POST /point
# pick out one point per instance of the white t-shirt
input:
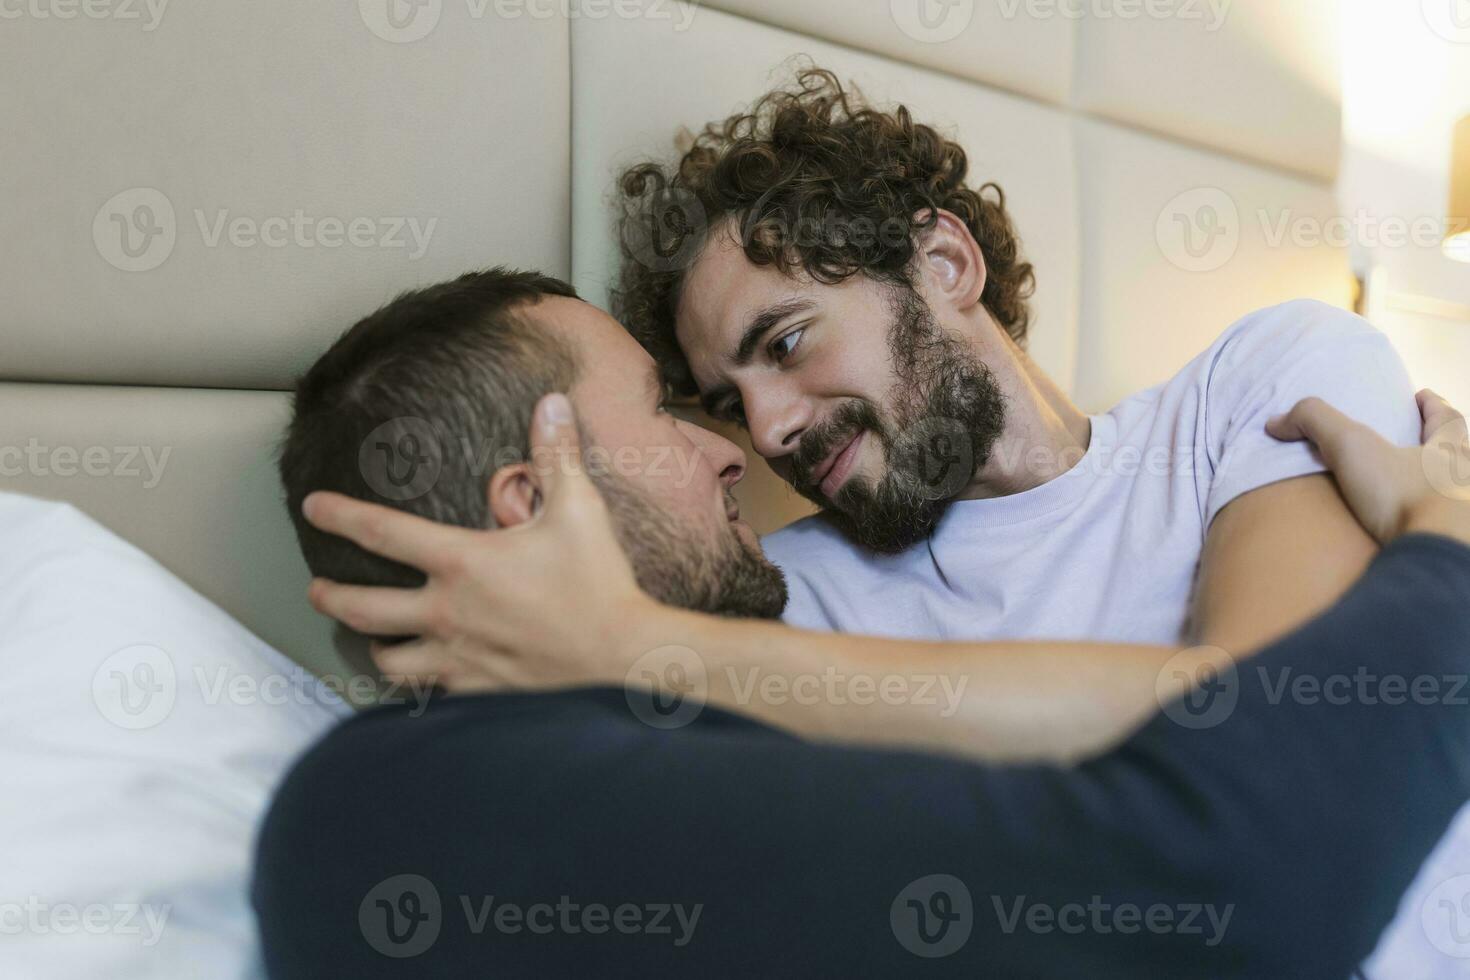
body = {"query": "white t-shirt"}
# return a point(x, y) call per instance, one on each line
point(1108, 551)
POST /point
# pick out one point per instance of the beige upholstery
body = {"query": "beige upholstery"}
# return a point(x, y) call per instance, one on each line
point(188, 476)
point(980, 41)
point(503, 123)
point(249, 113)
point(1151, 299)
point(1251, 78)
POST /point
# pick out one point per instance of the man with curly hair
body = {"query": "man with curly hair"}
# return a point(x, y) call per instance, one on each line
point(824, 274)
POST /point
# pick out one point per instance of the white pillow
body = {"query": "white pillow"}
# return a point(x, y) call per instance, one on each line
point(142, 731)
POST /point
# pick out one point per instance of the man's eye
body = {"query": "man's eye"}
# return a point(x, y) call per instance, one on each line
point(783, 347)
point(733, 411)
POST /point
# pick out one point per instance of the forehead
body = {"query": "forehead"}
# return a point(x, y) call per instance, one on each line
point(721, 293)
point(608, 356)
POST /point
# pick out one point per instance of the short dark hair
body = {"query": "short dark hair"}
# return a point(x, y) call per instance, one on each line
point(807, 156)
point(455, 367)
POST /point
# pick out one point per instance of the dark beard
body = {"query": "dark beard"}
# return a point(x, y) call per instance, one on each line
point(726, 578)
point(947, 416)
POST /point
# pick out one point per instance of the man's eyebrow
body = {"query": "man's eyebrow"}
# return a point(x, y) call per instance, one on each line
point(762, 322)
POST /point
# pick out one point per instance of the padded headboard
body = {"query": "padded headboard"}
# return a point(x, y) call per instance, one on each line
point(239, 183)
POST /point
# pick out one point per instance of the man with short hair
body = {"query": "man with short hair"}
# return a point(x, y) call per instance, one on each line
point(426, 405)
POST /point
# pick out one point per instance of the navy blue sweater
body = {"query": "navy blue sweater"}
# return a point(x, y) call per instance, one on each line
point(557, 835)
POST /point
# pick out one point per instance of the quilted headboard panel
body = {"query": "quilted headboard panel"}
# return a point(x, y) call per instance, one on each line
point(246, 181)
point(1257, 79)
point(1251, 78)
point(185, 474)
point(988, 42)
point(1178, 244)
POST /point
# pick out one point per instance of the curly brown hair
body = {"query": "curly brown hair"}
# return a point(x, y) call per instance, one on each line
point(816, 180)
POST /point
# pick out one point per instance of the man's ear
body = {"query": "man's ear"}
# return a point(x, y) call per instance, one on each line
point(513, 494)
point(951, 262)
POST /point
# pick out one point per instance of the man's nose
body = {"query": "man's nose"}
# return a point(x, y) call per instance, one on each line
point(776, 427)
point(729, 462)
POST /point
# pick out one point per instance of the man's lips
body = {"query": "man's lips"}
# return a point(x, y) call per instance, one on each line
point(833, 472)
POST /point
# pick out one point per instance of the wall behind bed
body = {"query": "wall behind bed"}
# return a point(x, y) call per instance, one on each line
point(198, 198)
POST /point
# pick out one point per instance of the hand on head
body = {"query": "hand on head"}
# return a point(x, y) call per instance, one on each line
point(1392, 490)
point(533, 605)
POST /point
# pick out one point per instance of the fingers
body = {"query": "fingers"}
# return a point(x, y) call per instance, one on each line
point(384, 531)
point(1443, 423)
point(424, 663)
point(428, 663)
point(556, 448)
point(370, 610)
point(1333, 433)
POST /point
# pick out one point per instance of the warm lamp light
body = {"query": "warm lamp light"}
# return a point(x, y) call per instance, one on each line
point(1457, 244)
